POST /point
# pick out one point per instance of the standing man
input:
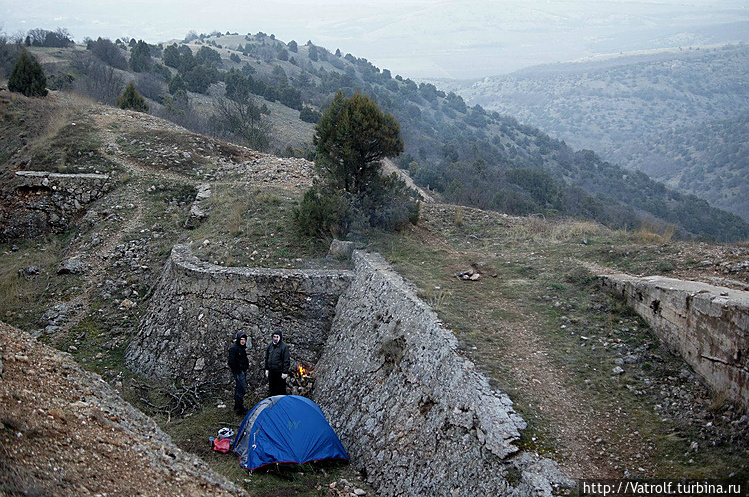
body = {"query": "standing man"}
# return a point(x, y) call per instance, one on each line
point(238, 363)
point(277, 363)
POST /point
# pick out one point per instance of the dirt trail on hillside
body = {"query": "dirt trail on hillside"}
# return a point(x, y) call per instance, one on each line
point(128, 196)
point(574, 427)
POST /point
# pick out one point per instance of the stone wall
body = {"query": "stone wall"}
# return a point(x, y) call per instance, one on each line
point(198, 308)
point(40, 201)
point(409, 409)
point(707, 325)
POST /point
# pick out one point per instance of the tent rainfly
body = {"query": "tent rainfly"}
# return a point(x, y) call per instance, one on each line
point(285, 429)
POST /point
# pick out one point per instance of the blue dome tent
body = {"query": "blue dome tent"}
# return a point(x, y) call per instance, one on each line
point(285, 429)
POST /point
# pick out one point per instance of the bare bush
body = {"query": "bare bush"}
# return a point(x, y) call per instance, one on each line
point(100, 81)
point(178, 110)
point(9, 53)
point(151, 86)
point(241, 120)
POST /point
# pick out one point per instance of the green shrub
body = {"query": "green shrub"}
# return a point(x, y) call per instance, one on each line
point(27, 77)
point(322, 214)
point(131, 99)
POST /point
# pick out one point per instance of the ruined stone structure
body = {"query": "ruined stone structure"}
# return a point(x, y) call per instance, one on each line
point(707, 325)
point(40, 201)
point(410, 410)
point(198, 308)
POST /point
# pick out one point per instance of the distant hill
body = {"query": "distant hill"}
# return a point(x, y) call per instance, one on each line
point(680, 116)
point(463, 154)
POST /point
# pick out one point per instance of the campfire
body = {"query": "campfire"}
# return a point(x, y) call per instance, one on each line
point(301, 381)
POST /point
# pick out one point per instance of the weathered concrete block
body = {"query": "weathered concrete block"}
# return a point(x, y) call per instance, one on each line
point(341, 249)
point(707, 325)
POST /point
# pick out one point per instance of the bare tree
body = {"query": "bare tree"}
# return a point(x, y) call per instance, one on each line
point(242, 120)
point(178, 110)
point(100, 81)
point(151, 86)
point(9, 53)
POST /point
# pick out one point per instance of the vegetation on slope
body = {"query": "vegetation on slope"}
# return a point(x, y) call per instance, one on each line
point(466, 154)
point(533, 322)
point(679, 116)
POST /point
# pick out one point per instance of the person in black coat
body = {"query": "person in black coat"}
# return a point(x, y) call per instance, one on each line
point(277, 363)
point(239, 364)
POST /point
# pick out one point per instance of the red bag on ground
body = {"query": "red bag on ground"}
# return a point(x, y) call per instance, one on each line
point(222, 444)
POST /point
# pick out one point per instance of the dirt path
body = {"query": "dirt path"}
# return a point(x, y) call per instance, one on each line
point(573, 425)
point(128, 194)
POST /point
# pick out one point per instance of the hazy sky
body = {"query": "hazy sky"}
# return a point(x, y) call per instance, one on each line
point(414, 38)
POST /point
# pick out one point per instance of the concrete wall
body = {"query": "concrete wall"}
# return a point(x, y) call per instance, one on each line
point(707, 325)
point(409, 409)
point(198, 308)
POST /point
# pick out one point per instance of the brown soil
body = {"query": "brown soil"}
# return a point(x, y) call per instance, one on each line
point(65, 432)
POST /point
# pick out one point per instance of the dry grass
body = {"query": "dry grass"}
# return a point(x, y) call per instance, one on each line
point(22, 291)
point(67, 141)
point(459, 217)
point(437, 297)
point(651, 232)
point(538, 229)
point(537, 325)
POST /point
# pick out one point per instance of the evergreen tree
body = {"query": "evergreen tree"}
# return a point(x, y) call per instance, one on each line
point(208, 57)
point(353, 135)
point(140, 57)
point(310, 115)
point(171, 56)
point(177, 84)
point(351, 196)
point(27, 77)
point(131, 99)
point(313, 53)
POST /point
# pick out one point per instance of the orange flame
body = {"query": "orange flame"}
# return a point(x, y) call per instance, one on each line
point(303, 373)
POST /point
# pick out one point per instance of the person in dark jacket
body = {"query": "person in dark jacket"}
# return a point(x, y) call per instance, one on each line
point(277, 363)
point(239, 364)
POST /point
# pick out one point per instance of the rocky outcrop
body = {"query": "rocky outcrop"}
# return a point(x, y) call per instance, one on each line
point(198, 308)
point(40, 201)
point(707, 325)
point(412, 411)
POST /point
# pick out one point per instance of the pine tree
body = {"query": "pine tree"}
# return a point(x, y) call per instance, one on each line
point(27, 77)
point(351, 138)
point(131, 99)
point(350, 194)
point(140, 57)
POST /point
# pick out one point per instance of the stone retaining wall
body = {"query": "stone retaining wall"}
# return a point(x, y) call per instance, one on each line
point(411, 410)
point(71, 192)
point(707, 325)
point(42, 201)
point(198, 308)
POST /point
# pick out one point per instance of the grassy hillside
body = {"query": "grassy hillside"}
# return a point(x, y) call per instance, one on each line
point(466, 155)
point(534, 322)
point(679, 116)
